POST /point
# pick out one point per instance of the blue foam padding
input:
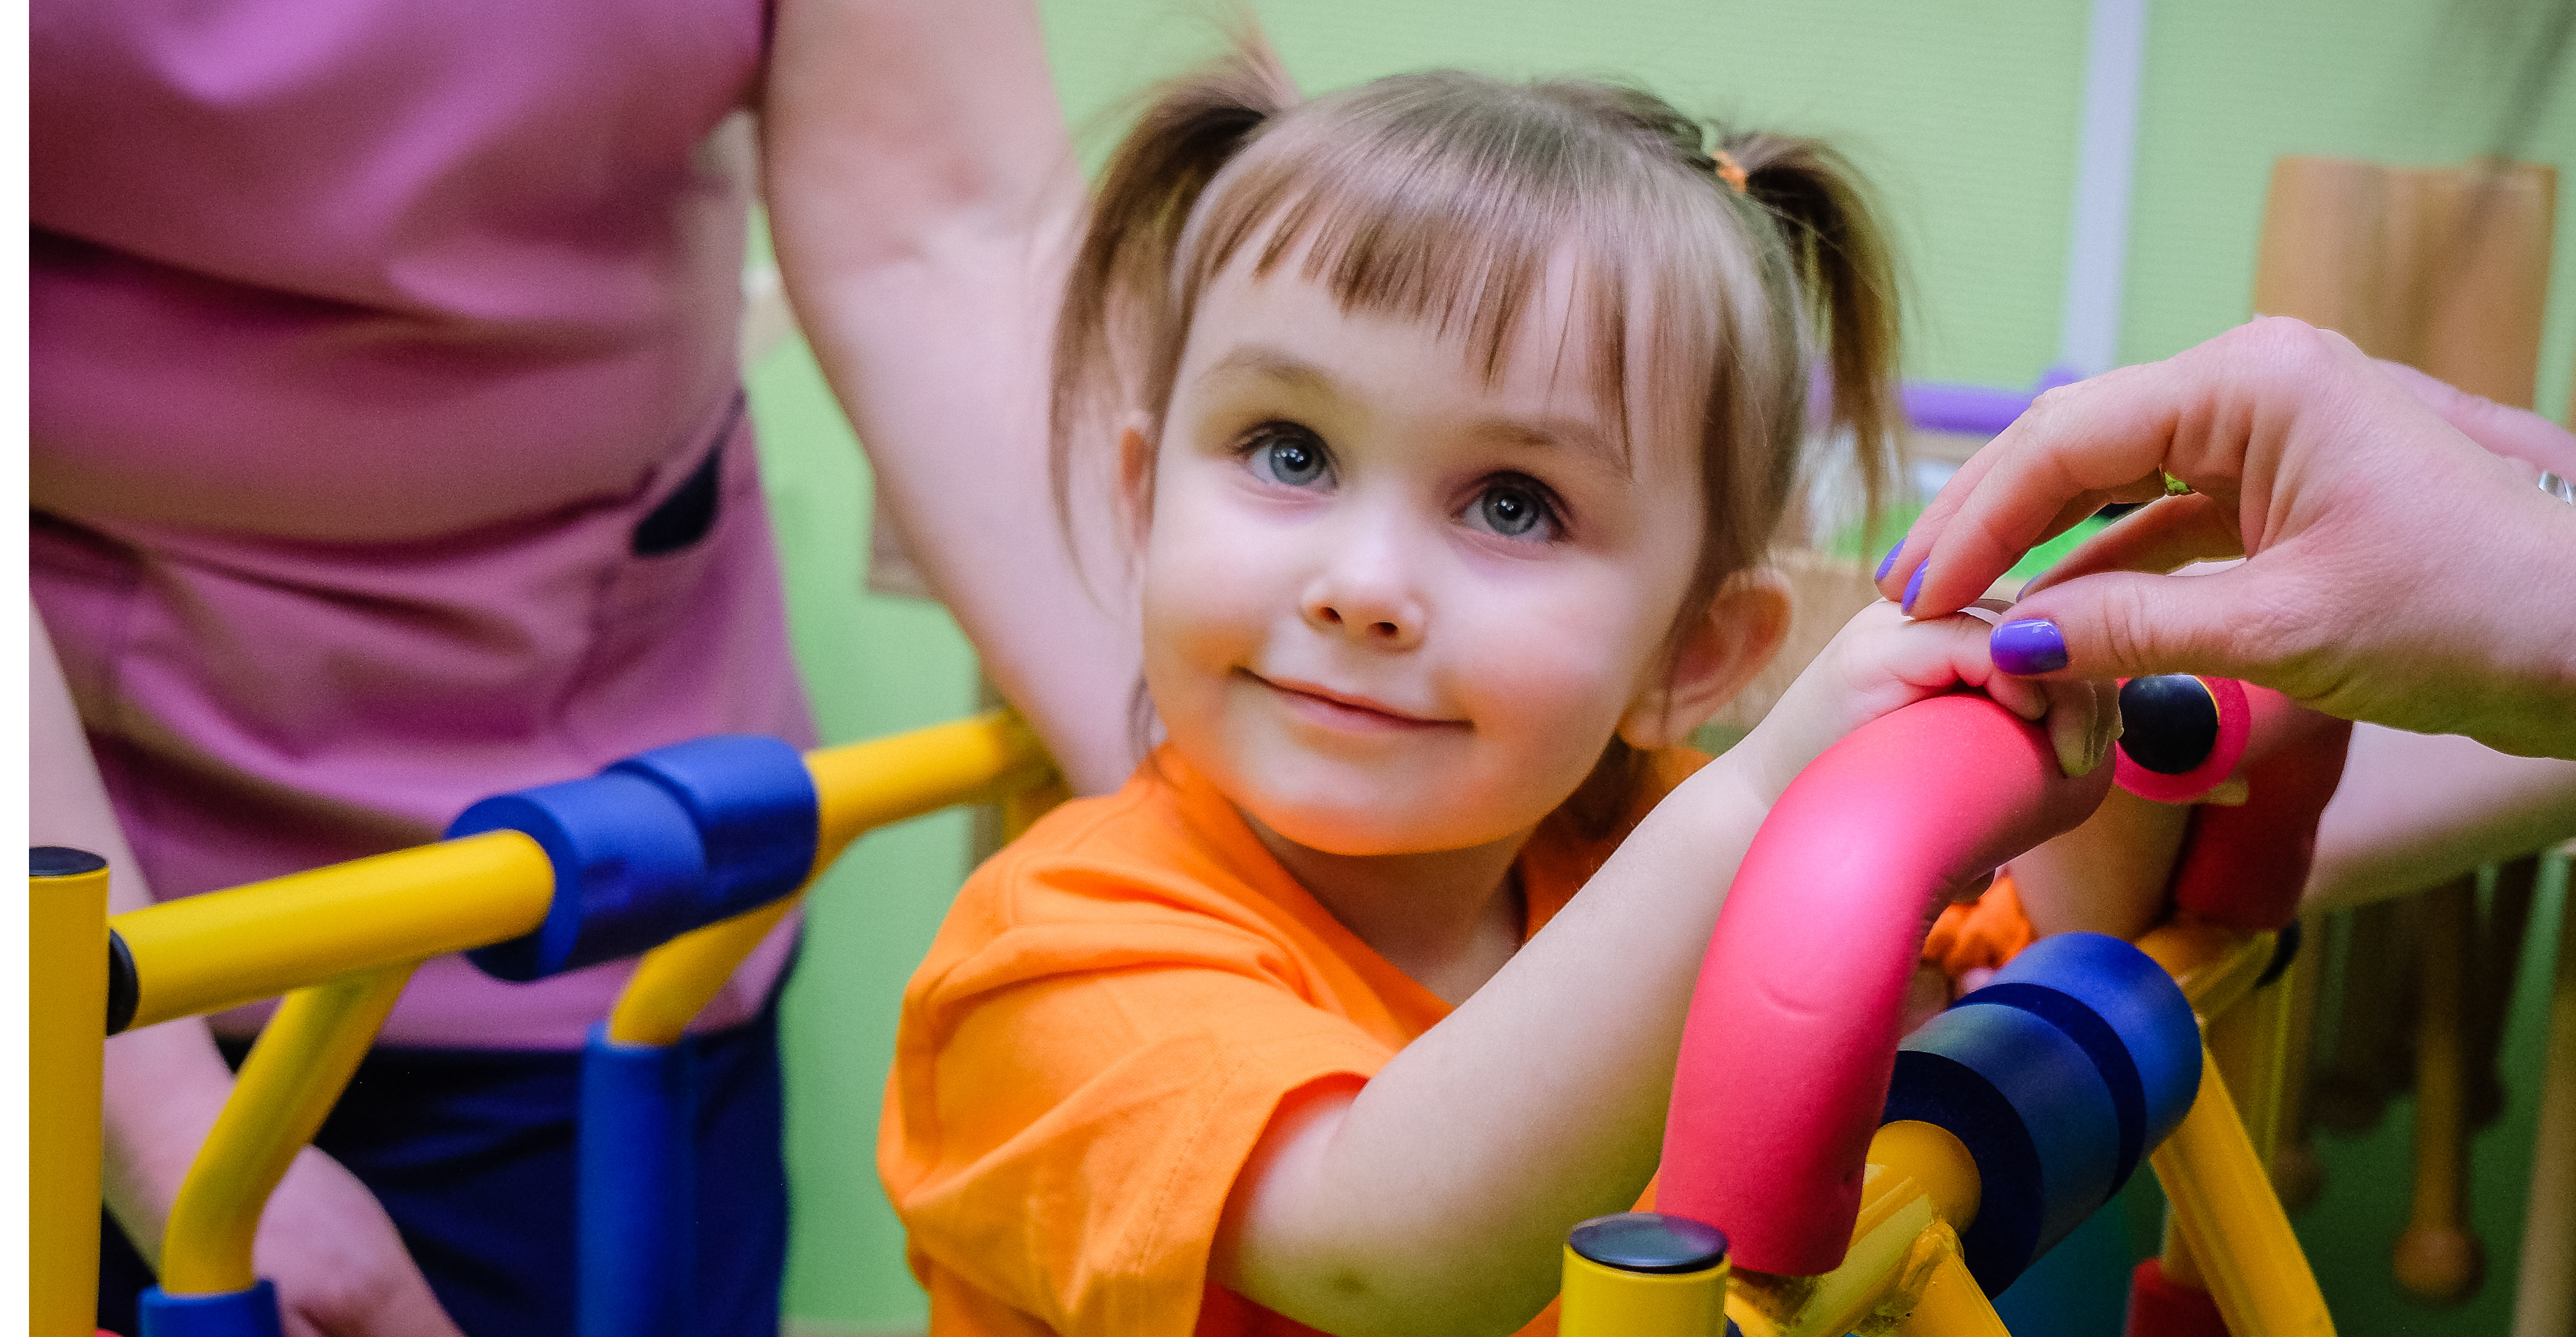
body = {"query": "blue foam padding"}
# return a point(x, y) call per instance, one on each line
point(630, 872)
point(2031, 1108)
point(635, 1251)
point(250, 1313)
point(2156, 1062)
point(755, 808)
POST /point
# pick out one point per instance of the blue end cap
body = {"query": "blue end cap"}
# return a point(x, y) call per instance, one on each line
point(629, 872)
point(755, 808)
point(250, 1313)
point(2126, 992)
point(2031, 1108)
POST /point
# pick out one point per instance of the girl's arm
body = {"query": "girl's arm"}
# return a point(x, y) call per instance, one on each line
point(1435, 1199)
point(924, 202)
point(338, 1265)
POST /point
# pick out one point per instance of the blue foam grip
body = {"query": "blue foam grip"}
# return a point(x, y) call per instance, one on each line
point(2126, 1012)
point(629, 871)
point(2031, 1108)
point(754, 804)
point(250, 1313)
point(636, 1213)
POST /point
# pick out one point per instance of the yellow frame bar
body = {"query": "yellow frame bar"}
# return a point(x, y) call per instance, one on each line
point(66, 1008)
point(206, 953)
point(2238, 1236)
point(296, 1072)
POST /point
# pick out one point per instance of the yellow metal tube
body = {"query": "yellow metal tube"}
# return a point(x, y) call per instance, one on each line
point(295, 1073)
point(2232, 1224)
point(1953, 1304)
point(1921, 1188)
point(867, 785)
point(66, 1015)
point(2214, 966)
point(222, 949)
point(861, 786)
point(675, 981)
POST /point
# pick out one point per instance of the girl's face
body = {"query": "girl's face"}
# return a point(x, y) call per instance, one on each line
point(1392, 605)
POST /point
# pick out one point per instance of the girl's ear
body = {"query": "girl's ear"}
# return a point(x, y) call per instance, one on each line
point(1718, 654)
point(1135, 479)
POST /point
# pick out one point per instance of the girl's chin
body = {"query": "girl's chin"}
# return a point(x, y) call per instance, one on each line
point(1369, 831)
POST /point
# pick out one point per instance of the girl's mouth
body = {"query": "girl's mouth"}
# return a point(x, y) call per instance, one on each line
point(1346, 711)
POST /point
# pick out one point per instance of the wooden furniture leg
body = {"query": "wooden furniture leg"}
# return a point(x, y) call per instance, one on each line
point(2545, 1296)
point(2497, 963)
point(2358, 1075)
point(2437, 1258)
point(2297, 1175)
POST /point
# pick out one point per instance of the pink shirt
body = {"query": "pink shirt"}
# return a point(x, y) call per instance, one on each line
point(362, 336)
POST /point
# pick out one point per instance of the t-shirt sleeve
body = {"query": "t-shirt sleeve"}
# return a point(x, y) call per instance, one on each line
point(1073, 1097)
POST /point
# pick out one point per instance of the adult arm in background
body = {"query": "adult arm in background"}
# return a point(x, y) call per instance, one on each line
point(340, 1268)
point(925, 203)
point(2401, 568)
point(2416, 810)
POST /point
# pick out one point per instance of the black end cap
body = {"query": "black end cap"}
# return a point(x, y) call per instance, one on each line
point(124, 987)
point(1649, 1242)
point(61, 861)
point(2168, 723)
point(2285, 949)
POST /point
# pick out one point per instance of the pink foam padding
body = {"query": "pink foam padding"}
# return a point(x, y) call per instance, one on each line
point(2236, 716)
point(2244, 867)
point(2160, 1307)
point(1792, 1034)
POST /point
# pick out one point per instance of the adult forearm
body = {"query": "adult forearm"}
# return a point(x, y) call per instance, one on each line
point(941, 361)
point(2415, 810)
point(923, 199)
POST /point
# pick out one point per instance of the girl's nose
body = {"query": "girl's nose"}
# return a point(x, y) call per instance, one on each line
point(1362, 594)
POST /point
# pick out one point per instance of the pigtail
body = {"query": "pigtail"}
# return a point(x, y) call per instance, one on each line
point(1118, 296)
point(1847, 275)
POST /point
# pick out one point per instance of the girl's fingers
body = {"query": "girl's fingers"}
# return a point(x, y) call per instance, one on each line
point(2159, 537)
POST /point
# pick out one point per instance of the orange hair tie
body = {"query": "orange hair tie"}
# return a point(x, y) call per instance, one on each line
point(1729, 170)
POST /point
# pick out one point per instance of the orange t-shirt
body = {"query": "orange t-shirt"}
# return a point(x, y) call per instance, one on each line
point(1117, 1003)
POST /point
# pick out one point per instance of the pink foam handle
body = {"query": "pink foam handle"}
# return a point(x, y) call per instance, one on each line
point(1792, 1034)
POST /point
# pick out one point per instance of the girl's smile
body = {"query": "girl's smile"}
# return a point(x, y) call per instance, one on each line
point(1344, 712)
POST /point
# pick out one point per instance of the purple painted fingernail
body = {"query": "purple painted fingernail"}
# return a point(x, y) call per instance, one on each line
point(1914, 586)
point(2032, 645)
point(1888, 561)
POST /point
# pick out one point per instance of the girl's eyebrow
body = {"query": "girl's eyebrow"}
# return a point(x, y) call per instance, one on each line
point(1573, 435)
point(1272, 364)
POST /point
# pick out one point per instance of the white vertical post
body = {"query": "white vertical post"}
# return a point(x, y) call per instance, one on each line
point(2097, 252)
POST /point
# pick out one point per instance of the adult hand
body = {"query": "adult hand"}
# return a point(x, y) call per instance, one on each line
point(2397, 570)
point(339, 1265)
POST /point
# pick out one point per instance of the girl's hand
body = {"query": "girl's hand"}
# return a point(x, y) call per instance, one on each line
point(1882, 661)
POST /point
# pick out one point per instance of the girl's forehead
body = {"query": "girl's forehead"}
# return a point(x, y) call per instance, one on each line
point(1555, 351)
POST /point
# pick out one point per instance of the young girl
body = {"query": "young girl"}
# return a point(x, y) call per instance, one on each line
point(1453, 416)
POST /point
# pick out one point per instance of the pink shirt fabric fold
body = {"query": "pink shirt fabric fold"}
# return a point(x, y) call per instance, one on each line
point(362, 338)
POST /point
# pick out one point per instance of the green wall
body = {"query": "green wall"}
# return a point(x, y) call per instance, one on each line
point(1963, 113)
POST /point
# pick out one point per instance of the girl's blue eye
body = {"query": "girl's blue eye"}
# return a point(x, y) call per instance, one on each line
point(1285, 453)
point(1514, 510)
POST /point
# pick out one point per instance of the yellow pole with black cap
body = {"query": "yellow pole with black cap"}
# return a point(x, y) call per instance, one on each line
point(1644, 1274)
point(66, 1025)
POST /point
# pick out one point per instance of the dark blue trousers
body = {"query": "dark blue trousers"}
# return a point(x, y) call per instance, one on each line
point(471, 1153)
